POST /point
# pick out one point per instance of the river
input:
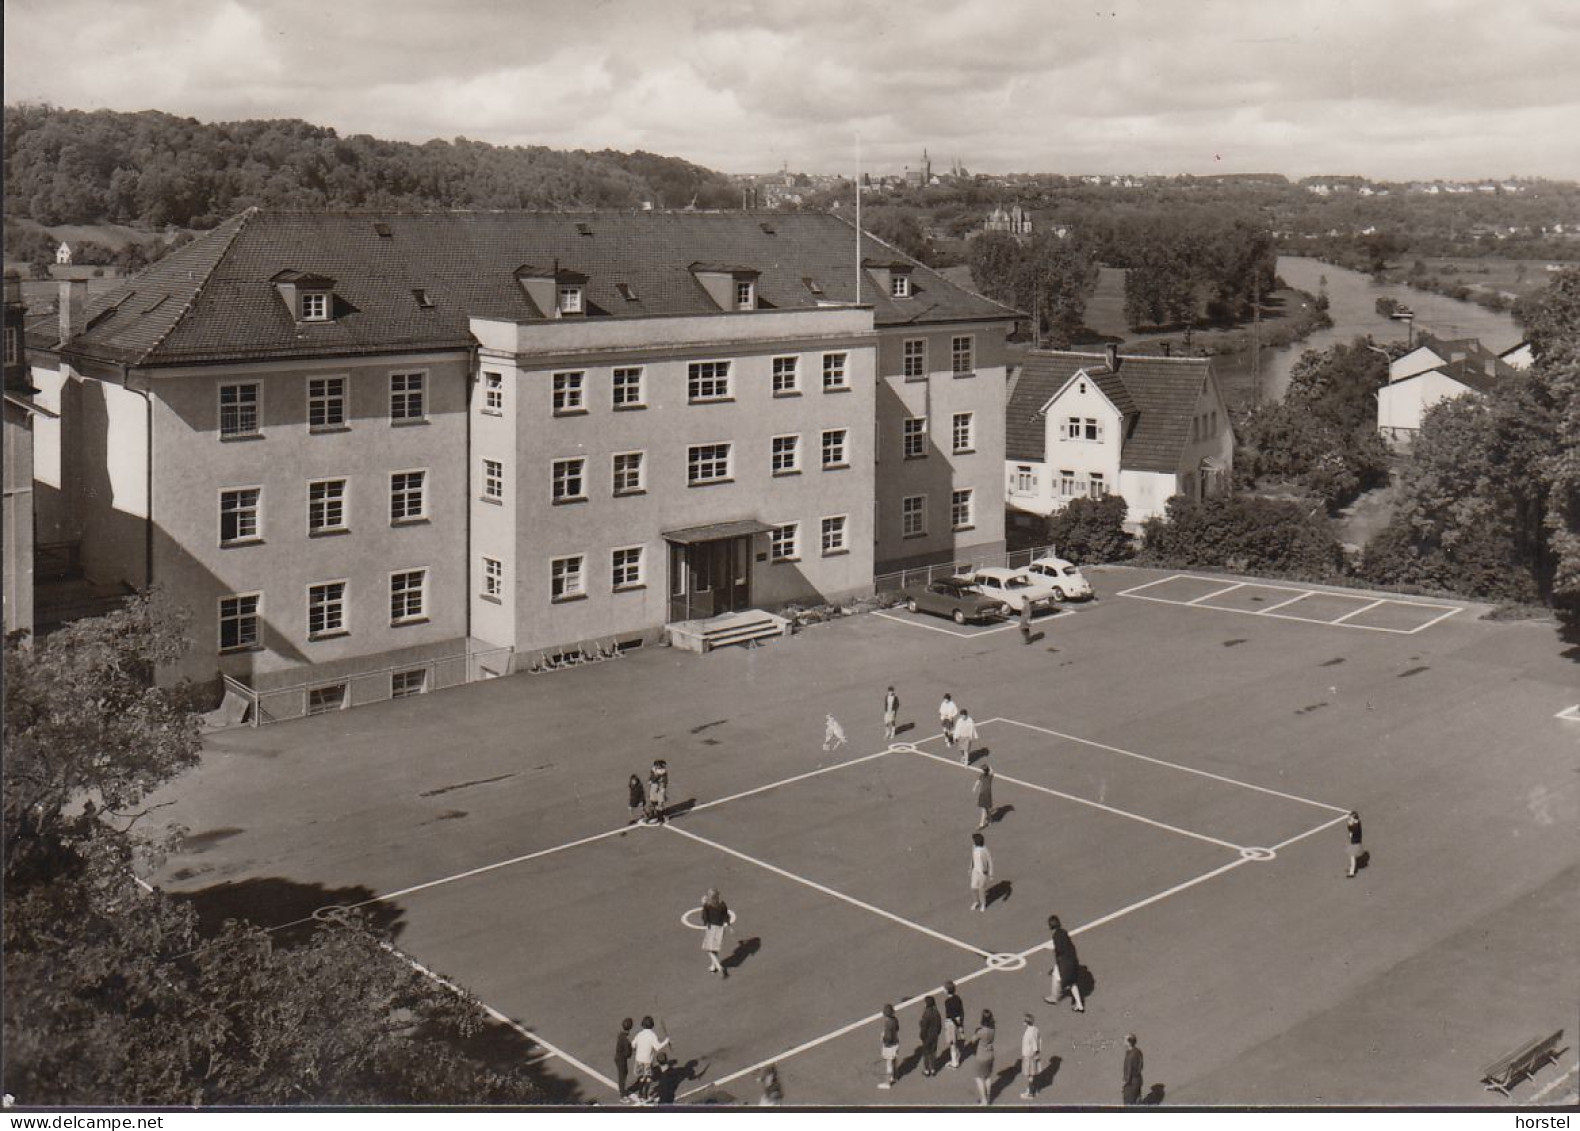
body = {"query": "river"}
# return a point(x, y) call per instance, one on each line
point(1352, 304)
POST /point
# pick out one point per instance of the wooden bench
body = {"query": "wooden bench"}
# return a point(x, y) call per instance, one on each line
point(1507, 1071)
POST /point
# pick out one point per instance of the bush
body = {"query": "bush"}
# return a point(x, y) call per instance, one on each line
point(1246, 534)
point(1089, 531)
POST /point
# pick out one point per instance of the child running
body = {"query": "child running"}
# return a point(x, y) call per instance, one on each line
point(948, 712)
point(833, 734)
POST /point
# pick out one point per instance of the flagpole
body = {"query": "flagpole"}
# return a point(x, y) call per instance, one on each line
point(858, 217)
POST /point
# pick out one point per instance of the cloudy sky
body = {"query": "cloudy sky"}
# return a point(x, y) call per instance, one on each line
point(1394, 89)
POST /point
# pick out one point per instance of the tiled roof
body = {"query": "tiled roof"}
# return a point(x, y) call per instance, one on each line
point(1157, 396)
point(214, 299)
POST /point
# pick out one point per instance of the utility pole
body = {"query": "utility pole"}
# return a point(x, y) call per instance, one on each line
point(1256, 342)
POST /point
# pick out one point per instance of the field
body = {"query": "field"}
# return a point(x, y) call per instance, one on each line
point(1173, 761)
point(1519, 277)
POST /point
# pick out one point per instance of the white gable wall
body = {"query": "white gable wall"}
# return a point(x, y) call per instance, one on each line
point(1401, 404)
point(1083, 400)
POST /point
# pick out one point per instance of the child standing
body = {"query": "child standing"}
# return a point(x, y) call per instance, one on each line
point(657, 792)
point(1030, 1057)
point(954, 1023)
point(1353, 828)
point(984, 791)
point(965, 733)
point(637, 798)
point(981, 872)
point(889, 1046)
point(891, 714)
point(715, 917)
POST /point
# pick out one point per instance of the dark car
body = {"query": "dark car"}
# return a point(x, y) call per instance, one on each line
point(955, 598)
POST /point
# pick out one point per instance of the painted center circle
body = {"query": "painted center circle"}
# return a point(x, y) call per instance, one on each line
point(331, 913)
point(1006, 962)
point(686, 919)
point(1257, 853)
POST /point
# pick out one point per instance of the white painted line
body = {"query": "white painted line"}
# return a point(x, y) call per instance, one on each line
point(500, 1017)
point(1569, 714)
point(1171, 765)
point(788, 781)
point(1138, 588)
point(946, 631)
point(1140, 903)
point(1288, 601)
point(815, 886)
point(1355, 612)
point(1434, 620)
point(1084, 801)
point(1276, 616)
point(1217, 593)
point(1344, 816)
point(1330, 623)
point(1542, 1094)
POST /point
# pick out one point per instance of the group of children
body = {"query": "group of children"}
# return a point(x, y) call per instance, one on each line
point(649, 802)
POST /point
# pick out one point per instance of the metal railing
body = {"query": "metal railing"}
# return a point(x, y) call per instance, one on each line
point(923, 575)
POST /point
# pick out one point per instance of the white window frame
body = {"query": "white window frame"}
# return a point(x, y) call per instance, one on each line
point(963, 345)
point(1072, 428)
point(240, 619)
point(633, 570)
point(561, 474)
point(397, 691)
point(493, 578)
point(913, 437)
point(314, 306)
point(834, 532)
point(13, 352)
point(1025, 479)
point(745, 294)
point(784, 543)
point(404, 592)
point(256, 405)
point(570, 392)
point(913, 516)
point(493, 479)
point(839, 447)
point(617, 474)
point(568, 298)
point(408, 389)
point(963, 432)
point(406, 491)
point(1096, 485)
point(1069, 485)
point(320, 507)
point(331, 607)
point(913, 359)
point(785, 454)
point(900, 284)
point(332, 402)
point(714, 375)
point(319, 704)
point(228, 498)
point(696, 461)
point(836, 372)
point(786, 376)
point(962, 509)
point(493, 392)
point(568, 584)
point(1093, 430)
point(625, 379)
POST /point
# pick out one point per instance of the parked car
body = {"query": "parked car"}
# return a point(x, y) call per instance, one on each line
point(1065, 579)
point(1015, 588)
point(953, 597)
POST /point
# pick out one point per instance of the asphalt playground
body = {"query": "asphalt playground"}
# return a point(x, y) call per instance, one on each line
point(1173, 765)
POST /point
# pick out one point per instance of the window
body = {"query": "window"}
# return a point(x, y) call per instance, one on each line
point(1067, 483)
point(406, 396)
point(570, 300)
point(407, 591)
point(785, 543)
point(568, 393)
point(238, 622)
point(1025, 478)
point(628, 388)
point(1094, 430)
point(625, 567)
point(326, 403)
point(493, 479)
point(238, 515)
point(708, 381)
point(787, 376)
point(962, 512)
point(834, 375)
point(1072, 428)
point(326, 609)
point(11, 348)
point(899, 285)
point(315, 308)
point(963, 432)
point(326, 506)
point(238, 410)
point(1076, 428)
point(834, 448)
point(707, 463)
point(570, 480)
point(322, 700)
point(628, 473)
point(913, 516)
point(961, 353)
point(915, 358)
point(915, 437)
point(403, 685)
point(566, 578)
point(493, 578)
point(407, 497)
point(787, 455)
point(1098, 486)
point(834, 535)
point(745, 294)
point(493, 392)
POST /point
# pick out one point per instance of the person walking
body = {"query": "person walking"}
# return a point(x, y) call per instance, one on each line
point(1030, 1057)
point(1025, 622)
point(645, 1048)
point(983, 786)
point(622, 1059)
point(891, 715)
point(715, 917)
point(981, 872)
point(930, 1029)
point(889, 1046)
point(657, 792)
point(954, 1023)
point(833, 734)
point(637, 798)
point(984, 1042)
point(1132, 1071)
point(948, 712)
point(773, 1092)
point(1066, 967)
point(965, 733)
point(1352, 827)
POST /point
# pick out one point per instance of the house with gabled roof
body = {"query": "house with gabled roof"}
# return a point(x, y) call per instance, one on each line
point(1087, 425)
point(1436, 370)
point(363, 446)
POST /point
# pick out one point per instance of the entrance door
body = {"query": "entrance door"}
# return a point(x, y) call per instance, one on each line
point(709, 578)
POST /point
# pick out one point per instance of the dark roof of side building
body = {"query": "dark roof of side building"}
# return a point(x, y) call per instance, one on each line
point(216, 299)
point(1156, 395)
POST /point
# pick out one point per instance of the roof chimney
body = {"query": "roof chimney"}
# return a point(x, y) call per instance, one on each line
point(73, 306)
point(1111, 355)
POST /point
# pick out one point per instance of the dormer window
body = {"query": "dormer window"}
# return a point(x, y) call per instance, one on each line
point(570, 300)
point(730, 286)
point(745, 294)
point(899, 286)
point(309, 297)
point(315, 308)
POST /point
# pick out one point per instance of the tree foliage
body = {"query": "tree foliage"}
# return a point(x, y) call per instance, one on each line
point(1089, 531)
point(1048, 277)
point(1184, 263)
point(1245, 534)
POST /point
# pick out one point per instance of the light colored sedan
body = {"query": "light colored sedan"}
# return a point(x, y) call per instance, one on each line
point(1014, 587)
point(1065, 579)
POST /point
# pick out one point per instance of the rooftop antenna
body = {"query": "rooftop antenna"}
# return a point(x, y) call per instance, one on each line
point(858, 217)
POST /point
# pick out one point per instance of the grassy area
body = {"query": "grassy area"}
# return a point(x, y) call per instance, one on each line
point(1517, 277)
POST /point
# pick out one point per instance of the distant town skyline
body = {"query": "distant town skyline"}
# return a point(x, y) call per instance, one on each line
point(1453, 89)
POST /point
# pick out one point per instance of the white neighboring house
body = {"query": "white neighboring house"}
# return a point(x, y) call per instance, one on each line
point(1438, 370)
point(1085, 425)
point(63, 255)
point(1520, 356)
